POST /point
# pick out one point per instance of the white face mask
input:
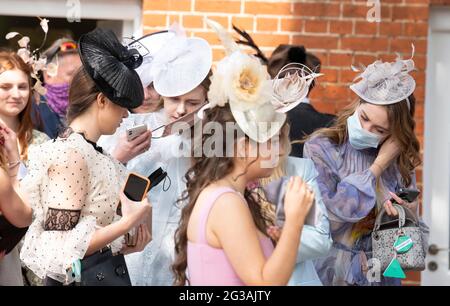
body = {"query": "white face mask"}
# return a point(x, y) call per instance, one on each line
point(359, 138)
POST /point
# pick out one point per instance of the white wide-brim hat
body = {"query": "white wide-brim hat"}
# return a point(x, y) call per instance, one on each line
point(148, 46)
point(181, 65)
point(260, 123)
point(385, 92)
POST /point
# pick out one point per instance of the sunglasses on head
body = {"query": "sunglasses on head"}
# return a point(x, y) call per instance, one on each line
point(66, 46)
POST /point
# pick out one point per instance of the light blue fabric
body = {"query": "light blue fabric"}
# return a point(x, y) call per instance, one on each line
point(316, 239)
point(360, 138)
point(152, 266)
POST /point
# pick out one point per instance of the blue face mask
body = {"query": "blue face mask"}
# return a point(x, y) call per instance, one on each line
point(359, 138)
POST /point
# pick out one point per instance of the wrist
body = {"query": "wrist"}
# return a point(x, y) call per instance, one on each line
point(294, 225)
point(125, 224)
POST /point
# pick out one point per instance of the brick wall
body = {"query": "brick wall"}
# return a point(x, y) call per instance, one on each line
point(336, 31)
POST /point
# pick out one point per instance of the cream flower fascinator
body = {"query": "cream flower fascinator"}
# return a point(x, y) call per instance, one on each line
point(385, 83)
point(34, 59)
point(243, 82)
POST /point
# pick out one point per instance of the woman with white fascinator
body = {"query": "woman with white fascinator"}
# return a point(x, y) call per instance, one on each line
point(180, 74)
point(362, 160)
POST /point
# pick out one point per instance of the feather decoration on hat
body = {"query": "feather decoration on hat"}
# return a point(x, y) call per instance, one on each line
point(33, 58)
point(385, 82)
point(225, 37)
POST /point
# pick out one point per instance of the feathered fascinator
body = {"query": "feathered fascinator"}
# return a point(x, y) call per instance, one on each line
point(258, 104)
point(34, 59)
point(385, 83)
point(291, 86)
point(111, 66)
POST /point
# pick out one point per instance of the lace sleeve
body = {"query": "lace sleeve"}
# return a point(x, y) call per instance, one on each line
point(61, 233)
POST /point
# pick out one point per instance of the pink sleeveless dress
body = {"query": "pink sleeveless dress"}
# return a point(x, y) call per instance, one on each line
point(209, 266)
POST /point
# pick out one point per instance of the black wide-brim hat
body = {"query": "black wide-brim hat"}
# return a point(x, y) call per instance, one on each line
point(111, 66)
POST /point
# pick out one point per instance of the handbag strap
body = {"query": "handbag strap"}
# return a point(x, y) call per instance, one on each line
point(401, 217)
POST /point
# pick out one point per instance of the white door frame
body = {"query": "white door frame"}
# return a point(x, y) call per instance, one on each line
point(127, 11)
point(436, 197)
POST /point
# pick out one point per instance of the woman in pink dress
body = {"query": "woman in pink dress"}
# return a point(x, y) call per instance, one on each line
point(222, 238)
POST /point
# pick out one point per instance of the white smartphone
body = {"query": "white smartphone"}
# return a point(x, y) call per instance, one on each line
point(136, 131)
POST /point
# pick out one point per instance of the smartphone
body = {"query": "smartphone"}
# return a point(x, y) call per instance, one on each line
point(136, 187)
point(136, 131)
point(407, 194)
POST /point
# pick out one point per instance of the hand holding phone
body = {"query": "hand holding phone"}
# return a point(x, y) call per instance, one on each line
point(407, 194)
point(405, 197)
point(136, 131)
point(136, 189)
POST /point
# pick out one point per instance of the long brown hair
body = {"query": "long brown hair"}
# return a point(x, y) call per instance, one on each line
point(2, 159)
point(82, 94)
point(401, 127)
point(9, 61)
point(207, 170)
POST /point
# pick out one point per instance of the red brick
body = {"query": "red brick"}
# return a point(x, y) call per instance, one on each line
point(270, 8)
point(341, 27)
point(270, 40)
point(155, 20)
point(209, 36)
point(391, 28)
point(364, 44)
point(340, 59)
point(174, 18)
point(347, 76)
point(368, 28)
point(336, 92)
point(355, 10)
point(267, 24)
point(363, 59)
point(190, 21)
point(316, 26)
point(219, 6)
point(404, 46)
point(410, 13)
point(218, 54)
point(220, 19)
point(167, 5)
point(317, 9)
point(245, 23)
point(330, 75)
point(292, 25)
point(416, 29)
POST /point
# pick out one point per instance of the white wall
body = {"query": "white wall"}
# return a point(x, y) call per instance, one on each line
point(127, 12)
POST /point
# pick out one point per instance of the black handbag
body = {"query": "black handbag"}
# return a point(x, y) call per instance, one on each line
point(104, 269)
point(10, 235)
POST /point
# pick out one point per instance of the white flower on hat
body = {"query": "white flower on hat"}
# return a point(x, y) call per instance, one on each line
point(243, 82)
point(240, 79)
